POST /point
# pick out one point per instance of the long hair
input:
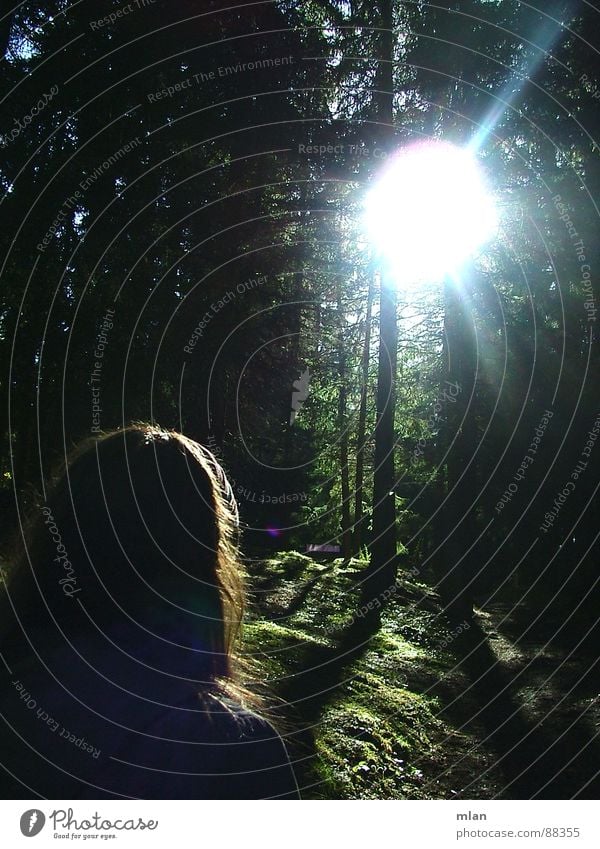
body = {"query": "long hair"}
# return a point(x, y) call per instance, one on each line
point(138, 532)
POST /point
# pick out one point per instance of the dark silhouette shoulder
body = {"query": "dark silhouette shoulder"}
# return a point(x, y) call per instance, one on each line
point(64, 743)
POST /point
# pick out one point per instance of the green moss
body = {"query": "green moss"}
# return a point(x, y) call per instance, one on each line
point(369, 752)
point(378, 732)
point(271, 636)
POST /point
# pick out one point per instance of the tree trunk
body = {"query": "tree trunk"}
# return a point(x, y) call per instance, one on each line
point(458, 441)
point(359, 520)
point(381, 574)
point(343, 431)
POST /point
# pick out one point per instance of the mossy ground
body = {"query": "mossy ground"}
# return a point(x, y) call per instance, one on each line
point(372, 720)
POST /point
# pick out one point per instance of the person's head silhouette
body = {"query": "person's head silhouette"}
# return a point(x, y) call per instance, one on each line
point(137, 533)
point(123, 607)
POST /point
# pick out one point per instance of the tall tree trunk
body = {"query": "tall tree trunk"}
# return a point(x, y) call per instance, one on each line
point(381, 574)
point(458, 442)
point(343, 431)
point(359, 519)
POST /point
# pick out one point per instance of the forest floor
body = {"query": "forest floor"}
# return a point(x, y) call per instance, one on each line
point(422, 709)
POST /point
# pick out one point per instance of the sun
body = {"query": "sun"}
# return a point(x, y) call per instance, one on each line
point(429, 210)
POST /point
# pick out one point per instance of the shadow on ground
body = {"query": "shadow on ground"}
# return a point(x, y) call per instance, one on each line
point(543, 752)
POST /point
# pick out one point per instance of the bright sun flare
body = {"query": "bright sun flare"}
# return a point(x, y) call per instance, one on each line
point(429, 211)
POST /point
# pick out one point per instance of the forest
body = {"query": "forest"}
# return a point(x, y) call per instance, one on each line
point(416, 469)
